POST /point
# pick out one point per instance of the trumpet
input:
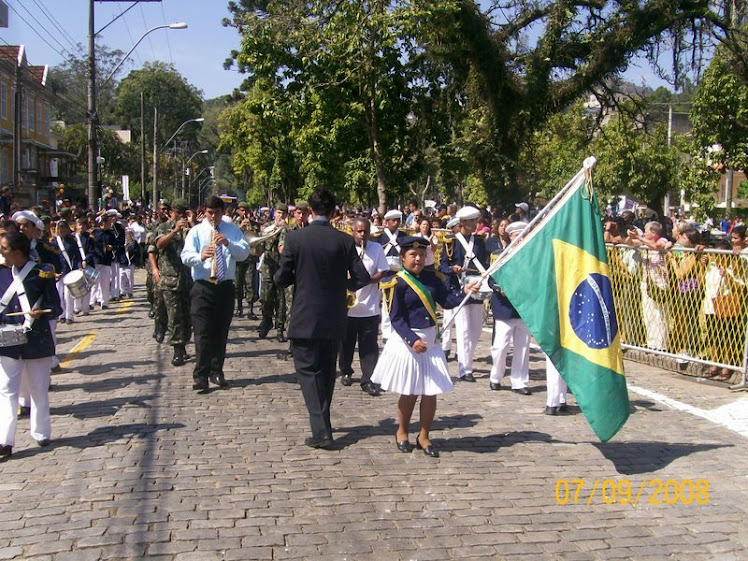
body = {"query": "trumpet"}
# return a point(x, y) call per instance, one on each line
point(351, 299)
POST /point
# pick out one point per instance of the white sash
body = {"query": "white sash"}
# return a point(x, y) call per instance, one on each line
point(469, 255)
point(80, 246)
point(392, 243)
point(64, 251)
point(16, 287)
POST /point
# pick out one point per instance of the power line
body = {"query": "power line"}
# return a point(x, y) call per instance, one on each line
point(62, 30)
point(32, 28)
point(142, 13)
point(168, 43)
point(137, 54)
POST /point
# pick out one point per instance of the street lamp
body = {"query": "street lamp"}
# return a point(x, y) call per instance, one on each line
point(92, 115)
point(187, 171)
point(157, 151)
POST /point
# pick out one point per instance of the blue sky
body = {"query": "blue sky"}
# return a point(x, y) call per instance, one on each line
point(197, 52)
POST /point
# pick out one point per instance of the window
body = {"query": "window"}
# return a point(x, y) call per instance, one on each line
point(3, 100)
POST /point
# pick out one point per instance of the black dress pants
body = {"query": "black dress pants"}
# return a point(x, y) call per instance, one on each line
point(366, 332)
point(314, 360)
point(211, 310)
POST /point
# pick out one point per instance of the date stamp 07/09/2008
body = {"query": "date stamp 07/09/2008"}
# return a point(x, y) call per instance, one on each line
point(624, 491)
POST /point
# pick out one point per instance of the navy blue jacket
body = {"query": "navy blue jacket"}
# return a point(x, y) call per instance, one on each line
point(49, 254)
point(134, 249)
point(454, 254)
point(102, 238)
point(383, 239)
point(71, 248)
point(407, 312)
point(40, 282)
point(501, 307)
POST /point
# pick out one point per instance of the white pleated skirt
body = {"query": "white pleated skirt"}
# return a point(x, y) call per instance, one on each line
point(402, 370)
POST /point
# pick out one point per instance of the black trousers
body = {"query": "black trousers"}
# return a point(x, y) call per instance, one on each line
point(314, 360)
point(366, 332)
point(211, 310)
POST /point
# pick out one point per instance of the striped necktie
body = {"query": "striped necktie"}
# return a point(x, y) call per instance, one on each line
point(220, 263)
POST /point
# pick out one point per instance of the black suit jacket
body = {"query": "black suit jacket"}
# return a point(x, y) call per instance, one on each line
point(317, 260)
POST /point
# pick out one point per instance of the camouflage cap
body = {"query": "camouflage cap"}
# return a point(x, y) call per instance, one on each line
point(180, 205)
point(281, 206)
point(302, 205)
point(244, 205)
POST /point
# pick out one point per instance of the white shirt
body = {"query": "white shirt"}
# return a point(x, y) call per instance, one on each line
point(202, 236)
point(138, 232)
point(369, 296)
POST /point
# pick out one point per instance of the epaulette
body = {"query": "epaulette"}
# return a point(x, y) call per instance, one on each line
point(46, 271)
point(449, 239)
point(386, 285)
point(52, 248)
point(376, 235)
point(440, 276)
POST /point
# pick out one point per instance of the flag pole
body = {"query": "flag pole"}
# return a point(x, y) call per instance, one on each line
point(589, 163)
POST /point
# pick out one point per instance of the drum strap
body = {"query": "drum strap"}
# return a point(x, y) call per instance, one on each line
point(469, 255)
point(80, 246)
point(64, 251)
point(392, 243)
point(16, 287)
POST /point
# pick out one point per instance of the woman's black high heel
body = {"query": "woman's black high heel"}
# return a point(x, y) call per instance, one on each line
point(428, 450)
point(405, 446)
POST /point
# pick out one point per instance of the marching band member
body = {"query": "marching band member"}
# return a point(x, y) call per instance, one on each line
point(363, 318)
point(509, 328)
point(103, 255)
point(84, 245)
point(389, 238)
point(464, 255)
point(453, 224)
point(27, 287)
point(128, 258)
point(118, 248)
point(556, 390)
point(412, 362)
point(211, 250)
point(70, 261)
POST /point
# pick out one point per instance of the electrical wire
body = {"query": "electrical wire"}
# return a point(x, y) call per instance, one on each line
point(168, 43)
point(145, 24)
point(62, 30)
point(33, 28)
point(136, 53)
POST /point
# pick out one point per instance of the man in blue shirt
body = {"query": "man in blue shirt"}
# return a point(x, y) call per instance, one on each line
point(211, 250)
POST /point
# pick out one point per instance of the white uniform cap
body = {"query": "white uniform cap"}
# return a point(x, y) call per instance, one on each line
point(112, 212)
point(454, 221)
point(393, 215)
point(468, 213)
point(264, 209)
point(523, 206)
point(30, 216)
point(515, 227)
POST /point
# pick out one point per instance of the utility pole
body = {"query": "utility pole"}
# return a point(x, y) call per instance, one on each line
point(93, 145)
point(155, 156)
point(142, 150)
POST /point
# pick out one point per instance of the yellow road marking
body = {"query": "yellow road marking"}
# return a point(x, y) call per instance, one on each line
point(124, 307)
point(82, 345)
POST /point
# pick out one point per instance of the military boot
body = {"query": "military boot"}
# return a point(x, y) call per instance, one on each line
point(251, 313)
point(263, 330)
point(179, 356)
point(239, 310)
point(281, 336)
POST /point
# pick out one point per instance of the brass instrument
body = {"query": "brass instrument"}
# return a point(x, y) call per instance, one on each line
point(255, 242)
point(214, 266)
point(351, 299)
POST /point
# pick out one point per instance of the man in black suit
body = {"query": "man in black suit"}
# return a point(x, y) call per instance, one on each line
point(322, 264)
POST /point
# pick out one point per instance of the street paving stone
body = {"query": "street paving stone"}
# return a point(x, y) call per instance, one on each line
point(143, 467)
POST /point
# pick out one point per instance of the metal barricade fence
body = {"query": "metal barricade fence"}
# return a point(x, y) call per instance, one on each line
point(687, 305)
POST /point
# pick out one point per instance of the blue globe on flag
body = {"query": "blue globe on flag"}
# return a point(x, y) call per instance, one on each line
point(592, 313)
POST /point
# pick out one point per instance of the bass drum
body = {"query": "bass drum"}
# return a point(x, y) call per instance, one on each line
point(77, 283)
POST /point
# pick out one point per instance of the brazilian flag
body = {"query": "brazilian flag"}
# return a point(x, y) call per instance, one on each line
point(559, 282)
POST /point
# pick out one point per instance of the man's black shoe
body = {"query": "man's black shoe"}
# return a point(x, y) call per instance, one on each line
point(563, 408)
point(522, 391)
point(159, 336)
point(219, 381)
point(239, 311)
point(201, 387)
point(179, 356)
point(5, 453)
point(263, 331)
point(495, 387)
point(151, 314)
point(346, 380)
point(551, 410)
point(468, 377)
point(371, 389)
point(251, 314)
point(326, 443)
point(281, 337)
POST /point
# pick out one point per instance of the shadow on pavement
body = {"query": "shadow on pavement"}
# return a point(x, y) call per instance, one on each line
point(270, 379)
point(108, 384)
point(102, 436)
point(111, 366)
point(103, 408)
point(386, 427)
point(630, 458)
point(493, 442)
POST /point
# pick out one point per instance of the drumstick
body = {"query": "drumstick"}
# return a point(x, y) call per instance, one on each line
point(14, 314)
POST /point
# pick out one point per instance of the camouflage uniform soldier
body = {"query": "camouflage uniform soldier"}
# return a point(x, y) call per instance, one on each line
point(246, 270)
point(272, 299)
point(301, 217)
point(156, 297)
point(176, 281)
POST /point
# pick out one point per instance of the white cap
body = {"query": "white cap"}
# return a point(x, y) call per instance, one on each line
point(30, 216)
point(264, 209)
point(113, 212)
point(468, 213)
point(515, 227)
point(523, 206)
point(393, 215)
point(454, 221)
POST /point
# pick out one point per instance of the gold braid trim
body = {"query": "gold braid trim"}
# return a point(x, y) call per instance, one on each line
point(388, 291)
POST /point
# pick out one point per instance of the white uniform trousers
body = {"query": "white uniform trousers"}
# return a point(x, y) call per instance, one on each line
point(447, 335)
point(506, 331)
point(67, 300)
point(386, 325)
point(115, 286)
point(102, 285)
point(15, 376)
point(468, 325)
point(127, 279)
point(555, 384)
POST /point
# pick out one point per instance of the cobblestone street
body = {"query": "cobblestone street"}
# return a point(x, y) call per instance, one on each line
point(141, 466)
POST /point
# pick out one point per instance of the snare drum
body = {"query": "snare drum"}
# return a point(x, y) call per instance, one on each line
point(77, 283)
point(394, 262)
point(484, 292)
point(12, 335)
point(92, 275)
